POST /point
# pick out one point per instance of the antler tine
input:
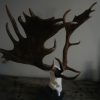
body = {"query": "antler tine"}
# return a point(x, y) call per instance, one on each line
point(71, 69)
point(77, 43)
point(70, 78)
point(21, 21)
point(26, 16)
point(64, 16)
point(60, 63)
point(9, 34)
point(31, 13)
point(47, 51)
point(92, 6)
point(13, 23)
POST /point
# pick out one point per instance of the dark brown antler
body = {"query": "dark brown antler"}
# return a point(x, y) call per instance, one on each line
point(31, 50)
point(69, 28)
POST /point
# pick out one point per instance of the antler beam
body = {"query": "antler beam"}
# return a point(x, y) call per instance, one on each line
point(69, 28)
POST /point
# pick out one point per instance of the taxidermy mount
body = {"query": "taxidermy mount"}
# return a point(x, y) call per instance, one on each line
point(31, 50)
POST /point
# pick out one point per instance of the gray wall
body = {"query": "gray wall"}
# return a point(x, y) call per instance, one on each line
point(84, 57)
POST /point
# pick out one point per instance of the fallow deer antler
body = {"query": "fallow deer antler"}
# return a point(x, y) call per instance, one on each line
point(69, 28)
point(31, 50)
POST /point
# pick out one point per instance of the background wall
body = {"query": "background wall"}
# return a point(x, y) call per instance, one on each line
point(84, 57)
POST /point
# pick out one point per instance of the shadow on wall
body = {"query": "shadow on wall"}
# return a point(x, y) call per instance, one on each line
point(88, 72)
point(99, 61)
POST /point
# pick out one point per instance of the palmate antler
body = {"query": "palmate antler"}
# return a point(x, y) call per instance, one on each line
point(69, 28)
point(31, 50)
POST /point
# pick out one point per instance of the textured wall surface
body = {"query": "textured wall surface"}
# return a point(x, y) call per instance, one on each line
point(84, 57)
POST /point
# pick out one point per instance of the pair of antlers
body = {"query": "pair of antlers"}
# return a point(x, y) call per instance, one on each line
point(31, 50)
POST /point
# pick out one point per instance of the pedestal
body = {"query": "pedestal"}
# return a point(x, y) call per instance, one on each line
point(48, 94)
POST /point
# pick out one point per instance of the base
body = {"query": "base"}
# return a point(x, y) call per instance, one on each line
point(49, 94)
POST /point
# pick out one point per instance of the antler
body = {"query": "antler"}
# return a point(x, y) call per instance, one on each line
point(31, 50)
point(69, 28)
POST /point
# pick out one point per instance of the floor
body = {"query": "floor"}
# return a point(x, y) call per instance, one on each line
point(25, 88)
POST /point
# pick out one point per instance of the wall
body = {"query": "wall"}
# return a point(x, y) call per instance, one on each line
point(84, 57)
